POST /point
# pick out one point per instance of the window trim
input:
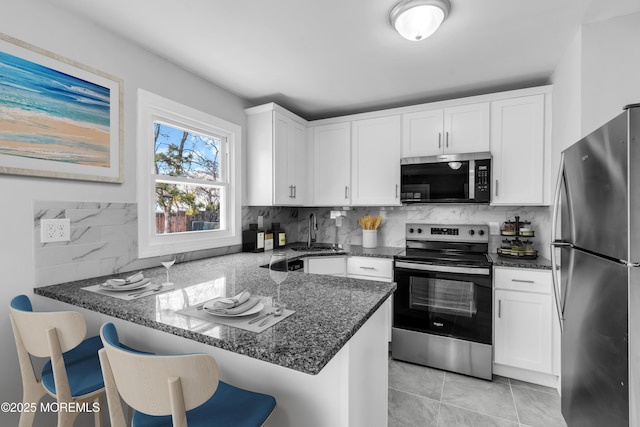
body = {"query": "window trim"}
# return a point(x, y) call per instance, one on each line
point(151, 108)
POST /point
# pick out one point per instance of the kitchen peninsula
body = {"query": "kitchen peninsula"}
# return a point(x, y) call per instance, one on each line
point(326, 364)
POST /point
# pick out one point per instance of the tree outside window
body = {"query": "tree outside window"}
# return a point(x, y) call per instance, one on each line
point(190, 179)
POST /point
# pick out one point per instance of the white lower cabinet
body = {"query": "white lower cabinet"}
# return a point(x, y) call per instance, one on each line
point(356, 267)
point(368, 268)
point(526, 335)
point(380, 269)
point(330, 265)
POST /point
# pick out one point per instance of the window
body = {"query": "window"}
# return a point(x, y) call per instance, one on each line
point(188, 178)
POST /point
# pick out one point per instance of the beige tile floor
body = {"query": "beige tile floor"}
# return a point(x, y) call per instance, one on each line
point(423, 397)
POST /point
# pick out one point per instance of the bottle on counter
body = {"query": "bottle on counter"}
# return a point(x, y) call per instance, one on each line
point(279, 238)
point(268, 241)
point(253, 239)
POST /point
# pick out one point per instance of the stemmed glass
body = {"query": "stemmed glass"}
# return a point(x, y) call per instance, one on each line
point(167, 265)
point(278, 270)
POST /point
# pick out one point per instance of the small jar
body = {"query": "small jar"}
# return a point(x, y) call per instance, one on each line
point(509, 228)
point(517, 248)
point(528, 248)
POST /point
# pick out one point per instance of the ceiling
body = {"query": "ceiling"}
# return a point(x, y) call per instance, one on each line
point(333, 57)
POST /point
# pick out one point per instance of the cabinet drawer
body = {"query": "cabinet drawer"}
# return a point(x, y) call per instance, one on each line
point(371, 267)
point(525, 280)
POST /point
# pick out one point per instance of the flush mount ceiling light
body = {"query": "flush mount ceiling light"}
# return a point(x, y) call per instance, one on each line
point(418, 19)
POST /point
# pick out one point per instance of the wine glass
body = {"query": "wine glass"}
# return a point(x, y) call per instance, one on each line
point(278, 270)
point(167, 265)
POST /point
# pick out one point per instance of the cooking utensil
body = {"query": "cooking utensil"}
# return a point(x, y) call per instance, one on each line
point(369, 222)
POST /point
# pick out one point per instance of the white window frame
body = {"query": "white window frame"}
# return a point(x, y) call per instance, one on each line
point(152, 108)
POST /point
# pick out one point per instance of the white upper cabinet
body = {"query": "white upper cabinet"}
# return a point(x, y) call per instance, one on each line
point(375, 161)
point(276, 157)
point(452, 130)
point(518, 144)
point(466, 129)
point(290, 174)
point(355, 160)
point(332, 164)
point(422, 133)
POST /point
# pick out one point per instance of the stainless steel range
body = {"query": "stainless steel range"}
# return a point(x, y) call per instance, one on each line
point(442, 308)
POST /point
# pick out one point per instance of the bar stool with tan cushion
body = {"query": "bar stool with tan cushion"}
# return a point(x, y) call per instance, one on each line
point(72, 375)
point(174, 390)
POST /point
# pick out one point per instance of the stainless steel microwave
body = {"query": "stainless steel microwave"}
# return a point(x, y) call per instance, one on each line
point(455, 178)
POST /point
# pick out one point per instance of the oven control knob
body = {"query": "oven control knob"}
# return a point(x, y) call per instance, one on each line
point(411, 230)
point(481, 232)
point(419, 230)
point(471, 232)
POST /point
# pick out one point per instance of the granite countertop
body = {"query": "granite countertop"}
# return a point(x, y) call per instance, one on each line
point(329, 310)
point(540, 263)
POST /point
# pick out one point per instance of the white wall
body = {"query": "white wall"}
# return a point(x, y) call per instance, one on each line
point(46, 27)
point(610, 64)
point(567, 99)
point(596, 78)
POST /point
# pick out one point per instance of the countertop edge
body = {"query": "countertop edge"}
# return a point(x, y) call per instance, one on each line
point(541, 263)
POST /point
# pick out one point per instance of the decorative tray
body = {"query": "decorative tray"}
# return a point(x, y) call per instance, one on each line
point(508, 253)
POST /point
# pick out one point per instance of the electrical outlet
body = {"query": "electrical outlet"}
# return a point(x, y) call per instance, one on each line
point(494, 228)
point(55, 230)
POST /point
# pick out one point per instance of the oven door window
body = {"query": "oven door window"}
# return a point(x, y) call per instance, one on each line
point(449, 304)
point(442, 296)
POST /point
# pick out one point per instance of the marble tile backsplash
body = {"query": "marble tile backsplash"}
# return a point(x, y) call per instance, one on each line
point(104, 236)
point(392, 231)
point(104, 240)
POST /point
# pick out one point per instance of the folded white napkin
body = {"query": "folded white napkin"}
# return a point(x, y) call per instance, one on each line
point(238, 309)
point(233, 301)
point(137, 278)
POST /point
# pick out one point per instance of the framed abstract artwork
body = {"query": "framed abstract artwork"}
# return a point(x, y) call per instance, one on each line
point(58, 118)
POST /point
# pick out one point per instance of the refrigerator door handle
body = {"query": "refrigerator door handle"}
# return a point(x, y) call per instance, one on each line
point(556, 200)
point(556, 244)
point(556, 285)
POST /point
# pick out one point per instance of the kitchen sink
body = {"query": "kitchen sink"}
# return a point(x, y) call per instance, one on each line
point(317, 248)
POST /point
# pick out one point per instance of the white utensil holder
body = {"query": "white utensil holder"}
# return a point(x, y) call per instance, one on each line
point(369, 238)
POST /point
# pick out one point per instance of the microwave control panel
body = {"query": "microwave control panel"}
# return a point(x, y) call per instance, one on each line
point(482, 180)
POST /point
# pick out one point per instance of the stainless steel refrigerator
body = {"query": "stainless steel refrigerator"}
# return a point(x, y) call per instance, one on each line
point(598, 288)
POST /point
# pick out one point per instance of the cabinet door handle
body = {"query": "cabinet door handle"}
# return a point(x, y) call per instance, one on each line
point(447, 139)
point(291, 191)
point(497, 187)
point(439, 139)
point(499, 308)
point(396, 191)
point(367, 268)
point(295, 191)
point(346, 191)
point(523, 281)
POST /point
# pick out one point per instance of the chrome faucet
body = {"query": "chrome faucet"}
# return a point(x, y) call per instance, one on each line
point(313, 226)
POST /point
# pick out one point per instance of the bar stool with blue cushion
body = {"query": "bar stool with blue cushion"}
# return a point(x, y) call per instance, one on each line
point(174, 390)
point(72, 374)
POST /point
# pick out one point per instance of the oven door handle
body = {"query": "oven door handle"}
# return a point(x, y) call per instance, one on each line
point(418, 266)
